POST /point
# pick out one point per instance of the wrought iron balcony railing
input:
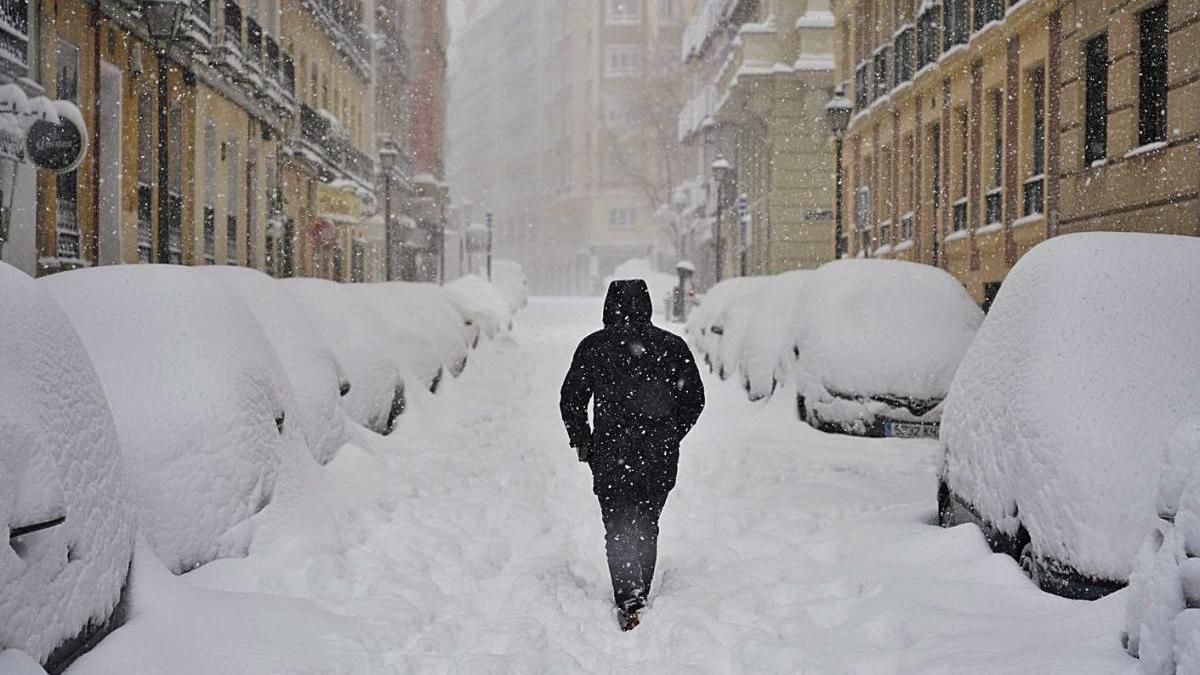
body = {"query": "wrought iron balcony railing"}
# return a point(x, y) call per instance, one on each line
point(14, 37)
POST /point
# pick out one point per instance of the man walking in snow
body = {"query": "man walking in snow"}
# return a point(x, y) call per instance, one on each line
point(648, 395)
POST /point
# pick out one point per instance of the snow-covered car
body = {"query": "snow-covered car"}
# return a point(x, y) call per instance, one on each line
point(1055, 425)
point(317, 379)
point(766, 349)
point(199, 397)
point(723, 311)
point(509, 278)
point(1162, 610)
point(64, 499)
point(358, 336)
point(481, 305)
point(428, 322)
point(877, 343)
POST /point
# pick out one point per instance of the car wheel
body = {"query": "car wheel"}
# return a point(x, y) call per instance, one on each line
point(945, 505)
point(1028, 562)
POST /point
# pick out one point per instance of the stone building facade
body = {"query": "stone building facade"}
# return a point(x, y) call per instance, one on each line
point(271, 136)
point(983, 127)
point(761, 73)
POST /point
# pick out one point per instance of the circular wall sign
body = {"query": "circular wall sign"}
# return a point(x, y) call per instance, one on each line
point(57, 147)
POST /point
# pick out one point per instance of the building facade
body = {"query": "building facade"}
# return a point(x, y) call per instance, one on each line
point(568, 140)
point(757, 196)
point(270, 136)
point(983, 127)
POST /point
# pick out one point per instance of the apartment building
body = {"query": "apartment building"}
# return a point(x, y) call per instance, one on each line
point(568, 139)
point(756, 198)
point(266, 153)
point(983, 127)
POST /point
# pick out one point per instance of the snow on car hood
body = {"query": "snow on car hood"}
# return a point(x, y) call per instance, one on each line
point(59, 456)
point(312, 369)
point(198, 396)
point(1061, 408)
point(883, 327)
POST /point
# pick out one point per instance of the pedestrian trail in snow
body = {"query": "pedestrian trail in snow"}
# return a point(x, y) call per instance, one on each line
point(782, 549)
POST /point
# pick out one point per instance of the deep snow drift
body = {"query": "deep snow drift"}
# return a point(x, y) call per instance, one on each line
point(469, 541)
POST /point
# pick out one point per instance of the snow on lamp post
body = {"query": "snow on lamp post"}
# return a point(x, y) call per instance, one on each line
point(387, 163)
point(837, 112)
point(722, 173)
point(163, 18)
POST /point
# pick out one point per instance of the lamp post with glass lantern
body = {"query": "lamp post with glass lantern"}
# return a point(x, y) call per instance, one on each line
point(837, 112)
point(162, 24)
point(387, 163)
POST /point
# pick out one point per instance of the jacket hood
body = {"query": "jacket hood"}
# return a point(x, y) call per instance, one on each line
point(628, 301)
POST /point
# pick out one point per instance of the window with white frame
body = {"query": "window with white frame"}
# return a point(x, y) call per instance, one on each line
point(622, 61)
point(624, 12)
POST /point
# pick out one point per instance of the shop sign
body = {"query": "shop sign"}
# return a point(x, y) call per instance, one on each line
point(332, 202)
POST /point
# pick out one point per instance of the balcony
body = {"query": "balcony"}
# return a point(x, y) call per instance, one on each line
point(254, 55)
point(197, 26)
point(14, 38)
point(320, 132)
point(67, 221)
point(227, 51)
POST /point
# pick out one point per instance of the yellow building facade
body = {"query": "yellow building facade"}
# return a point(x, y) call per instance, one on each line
point(983, 127)
point(269, 117)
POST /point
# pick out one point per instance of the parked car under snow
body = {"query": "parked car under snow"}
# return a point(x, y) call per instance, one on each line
point(1055, 426)
point(199, 397)
point(358, 336)
point(317, 379)
point(430, 326)
point(64, 499)
point(877, 343)
point(716, 327)
point(766, 352)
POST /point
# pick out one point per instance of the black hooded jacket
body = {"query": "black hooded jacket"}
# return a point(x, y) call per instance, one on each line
point(646, 387)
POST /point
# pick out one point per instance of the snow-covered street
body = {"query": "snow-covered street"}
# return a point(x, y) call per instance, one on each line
point(469, 541)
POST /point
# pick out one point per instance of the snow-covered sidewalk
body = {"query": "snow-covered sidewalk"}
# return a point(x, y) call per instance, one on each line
point(469, 541)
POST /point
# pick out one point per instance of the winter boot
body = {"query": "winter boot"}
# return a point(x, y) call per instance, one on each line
point(628, 619)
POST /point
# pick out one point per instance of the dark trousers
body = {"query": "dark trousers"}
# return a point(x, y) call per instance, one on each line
point(631, 538)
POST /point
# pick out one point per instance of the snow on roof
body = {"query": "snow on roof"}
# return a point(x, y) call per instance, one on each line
point(1062, 406)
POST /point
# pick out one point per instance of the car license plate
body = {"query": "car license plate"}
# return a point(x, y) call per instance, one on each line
point(911, 430)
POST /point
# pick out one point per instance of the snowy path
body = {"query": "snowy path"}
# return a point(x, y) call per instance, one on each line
point(783, 550)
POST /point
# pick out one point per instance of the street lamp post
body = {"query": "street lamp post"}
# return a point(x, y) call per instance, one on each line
point(722, 173)
point(837, 112)
point(162, 23)
point(387, 163)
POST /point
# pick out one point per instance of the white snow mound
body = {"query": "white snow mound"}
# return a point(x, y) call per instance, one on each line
point(59, 457)
point(1062, 406)
point(199, 397)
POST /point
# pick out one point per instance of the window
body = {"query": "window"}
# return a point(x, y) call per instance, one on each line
point(622, 61)
point(957, 22)
point(233, 21)
point(987, 11)
point(904, 55)
point(621, 219)
point(862, 216)
point(993, 200)
point(864, 89)
point(927, 36)
point(210, 196)
point(1034, 188)
point(935, 164)
point(233, 162)
point(174, 213)
point(287, 249)
point(883, 76)
point(1152, 75)
point(145, 193)
point(624, 12)
point(1095, 133)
